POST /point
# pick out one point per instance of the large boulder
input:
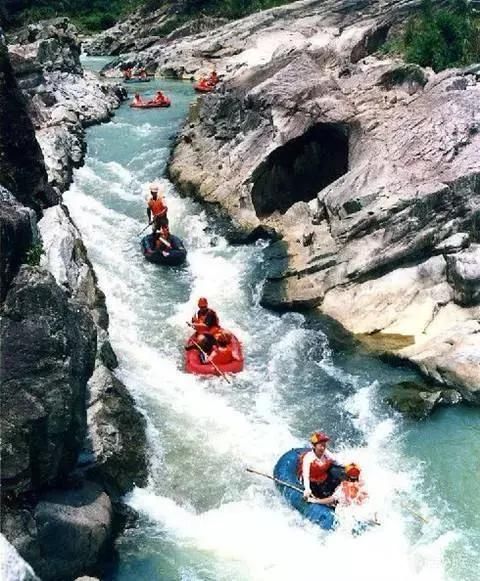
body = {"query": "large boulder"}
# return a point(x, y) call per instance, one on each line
point(47, 357)
point(65, 534)
point(463, 273)
point(117, 434)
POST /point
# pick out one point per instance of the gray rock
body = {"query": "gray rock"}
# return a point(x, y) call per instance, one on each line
point(463, 273)
point(398, 182)
point(47, 357)
point(22, 170)
point(116, 434)
point(65, 534)
point(17, 233)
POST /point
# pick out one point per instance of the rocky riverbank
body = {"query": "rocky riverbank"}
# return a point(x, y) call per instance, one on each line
point(367, 169)
point(60, 400)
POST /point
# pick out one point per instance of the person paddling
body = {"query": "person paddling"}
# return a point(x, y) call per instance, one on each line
point(350, 491)
point(222, 352)
point(156, 209)
point(314, 468)
point(163, 241)
point(137, 100)
point(159, 98)
point(206, 325)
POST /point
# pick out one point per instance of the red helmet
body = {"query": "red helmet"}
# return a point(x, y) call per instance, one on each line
point(352, 470)
point(317, 437)
point(202, 302)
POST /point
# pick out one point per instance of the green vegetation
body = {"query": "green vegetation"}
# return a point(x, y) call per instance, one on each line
point(96, 15)
point(34, 254)
point(440, 38)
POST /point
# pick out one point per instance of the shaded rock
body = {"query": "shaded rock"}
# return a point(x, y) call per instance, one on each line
point(463, 273)
point(47, 356)
point(22, 170)
point(419, 401)
point(17, 232)
point(454, 243)
point(116, 434)
point(65, 534)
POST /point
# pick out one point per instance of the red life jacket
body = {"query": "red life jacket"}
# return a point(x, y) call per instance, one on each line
point(222, 355)
point(157, 207)
point(199, 320)
point(318, 469)
point(352, 493)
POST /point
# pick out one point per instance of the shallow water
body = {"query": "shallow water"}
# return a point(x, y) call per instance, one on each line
point(202, 516)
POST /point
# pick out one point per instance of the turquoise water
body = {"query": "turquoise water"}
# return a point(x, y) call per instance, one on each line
point(202, 517)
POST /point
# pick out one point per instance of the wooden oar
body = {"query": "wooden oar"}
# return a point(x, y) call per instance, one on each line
point(277, 480)
point(220, 372)
point(149, 224)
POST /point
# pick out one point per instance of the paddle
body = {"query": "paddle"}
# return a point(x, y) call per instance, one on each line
point(149, 224)
point(277, 480)
point(220, 372)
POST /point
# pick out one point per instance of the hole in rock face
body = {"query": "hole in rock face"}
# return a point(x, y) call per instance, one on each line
point(299, 169)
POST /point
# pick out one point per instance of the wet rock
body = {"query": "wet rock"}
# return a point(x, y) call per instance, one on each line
point(116, 434)
point(48, 352)
point(419, 401)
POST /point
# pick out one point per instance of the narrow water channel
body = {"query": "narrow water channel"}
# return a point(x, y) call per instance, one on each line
point(202, 517)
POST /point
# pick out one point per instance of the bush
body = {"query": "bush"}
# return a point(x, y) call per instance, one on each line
point(34, 254)
point(443, 38)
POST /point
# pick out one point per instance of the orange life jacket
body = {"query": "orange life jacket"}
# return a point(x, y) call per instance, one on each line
point(353, 493)
point(318, 468)
point(222, 355)
point(201, 326)
point(157, 206)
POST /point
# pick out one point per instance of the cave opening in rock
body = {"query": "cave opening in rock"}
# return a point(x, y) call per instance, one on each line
point(299, 169)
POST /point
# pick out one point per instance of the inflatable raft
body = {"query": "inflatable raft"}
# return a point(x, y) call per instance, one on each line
point(286, 470)
point(136, 80)
point(203, 87)
point(150, 105)
point(173, 257)
point(193, 363)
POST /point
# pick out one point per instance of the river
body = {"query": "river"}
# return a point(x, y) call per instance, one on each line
point(202, 517)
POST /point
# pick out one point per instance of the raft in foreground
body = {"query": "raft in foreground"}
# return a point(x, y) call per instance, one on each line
point(174, 257)
point(193, 363)
point(286, 470)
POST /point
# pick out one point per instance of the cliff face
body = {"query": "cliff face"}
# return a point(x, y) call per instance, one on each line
point(367, 167)
point(22, 170)
point(56, 353)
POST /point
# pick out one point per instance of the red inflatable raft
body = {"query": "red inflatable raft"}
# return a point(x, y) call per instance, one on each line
point(203, 87)
point(193, 363)
point(151, 105)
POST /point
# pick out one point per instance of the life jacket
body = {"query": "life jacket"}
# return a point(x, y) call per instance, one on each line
point(318, 469)
point(352, 493)
point(157, 206)
point(200, 319)
point(222, 355)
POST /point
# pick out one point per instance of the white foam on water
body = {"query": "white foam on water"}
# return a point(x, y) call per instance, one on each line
point(12, 566)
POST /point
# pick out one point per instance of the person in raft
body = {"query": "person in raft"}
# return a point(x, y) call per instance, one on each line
point(127, 73)
point(161, 241)
point(137, 99)
point(222, 352)
point(156, 209)
point(159, 98)
point(142, 73)
point(350, 491)
point(206, 325)
point(314, 468)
